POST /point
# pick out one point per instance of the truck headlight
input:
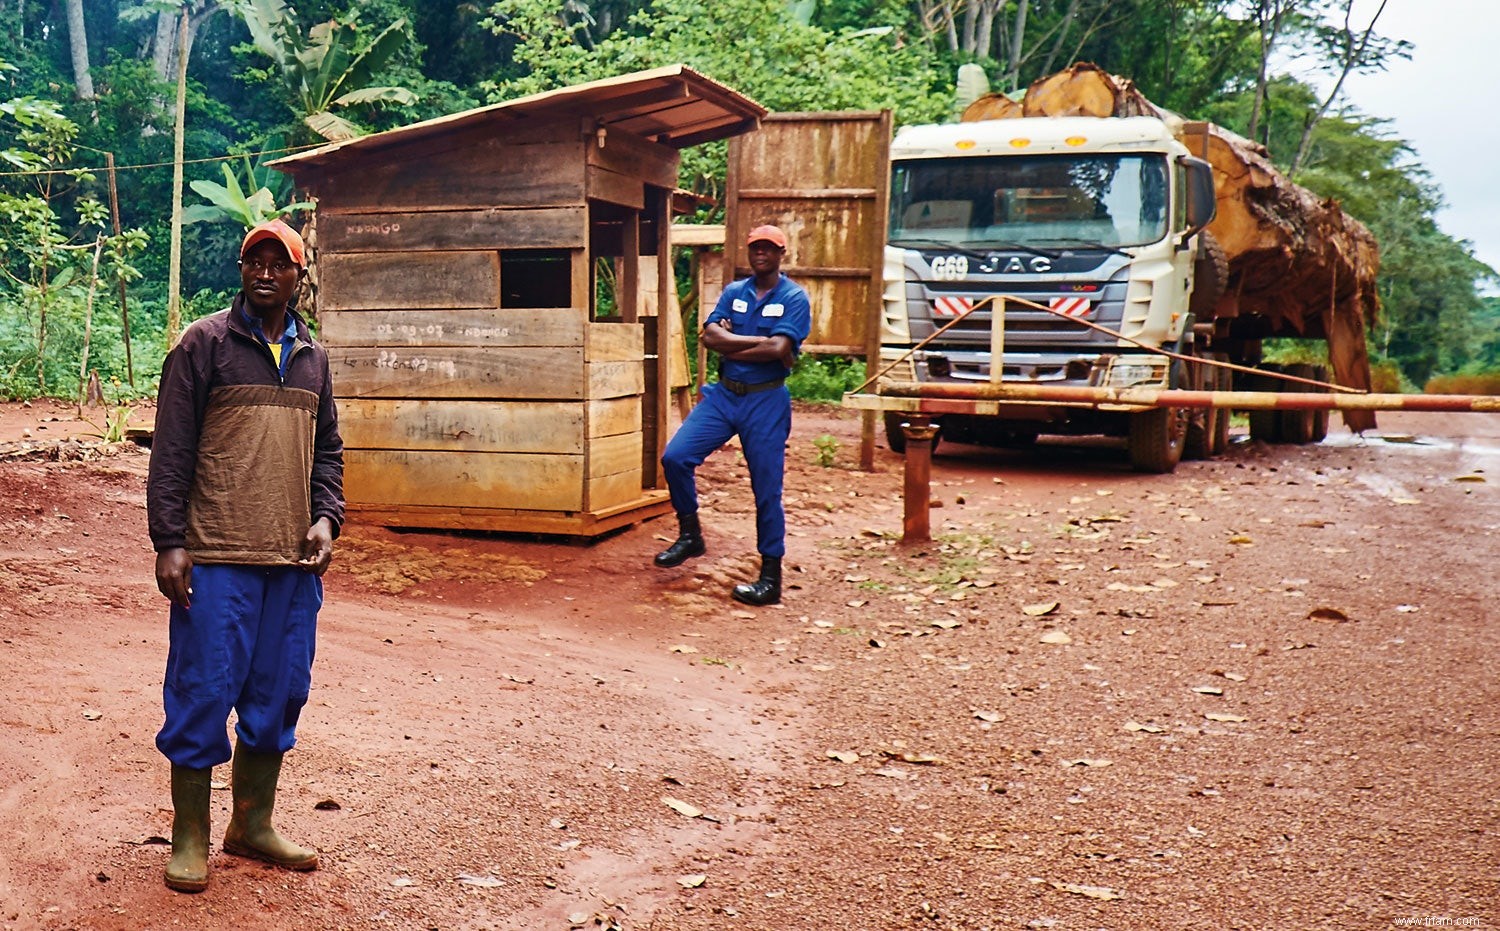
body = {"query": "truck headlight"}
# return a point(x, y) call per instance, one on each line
point(1134, 371)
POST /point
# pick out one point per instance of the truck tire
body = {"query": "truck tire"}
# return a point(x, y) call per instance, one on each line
point(1223, 380)
point(1297, 426)
point(1265, 425)
point(1320, 418)
point(1156, 439)
point(1198, 440)
point(895, 437)
point(1210, 277)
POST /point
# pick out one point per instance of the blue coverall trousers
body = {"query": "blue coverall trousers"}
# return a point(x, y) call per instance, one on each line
point(763, 421)
point(246, 644)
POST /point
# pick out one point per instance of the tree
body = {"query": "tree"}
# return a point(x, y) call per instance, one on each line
point(78, 40)
point(329, 68)
point(1348, 51)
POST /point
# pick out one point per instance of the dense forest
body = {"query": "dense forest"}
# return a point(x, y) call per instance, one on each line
point(94, 92)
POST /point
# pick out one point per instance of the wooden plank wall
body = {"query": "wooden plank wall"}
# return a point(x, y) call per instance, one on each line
point(450, 403)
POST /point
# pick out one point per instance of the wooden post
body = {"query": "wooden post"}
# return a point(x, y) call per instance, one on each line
point(628, 280)
point(916, 524)
point(666, 303)
point(174, 257)
point(997, 341)
point(114, 212)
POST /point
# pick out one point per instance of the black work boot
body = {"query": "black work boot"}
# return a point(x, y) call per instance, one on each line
point(689, 543)
point(765, 590)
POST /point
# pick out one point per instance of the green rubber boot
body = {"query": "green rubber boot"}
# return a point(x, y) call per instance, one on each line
point(250, 833)
point(187, 871)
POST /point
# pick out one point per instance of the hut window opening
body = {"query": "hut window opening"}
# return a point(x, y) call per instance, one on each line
point(536, 278)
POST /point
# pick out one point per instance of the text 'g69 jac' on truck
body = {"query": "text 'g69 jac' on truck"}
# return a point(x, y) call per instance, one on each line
point(1090, 235)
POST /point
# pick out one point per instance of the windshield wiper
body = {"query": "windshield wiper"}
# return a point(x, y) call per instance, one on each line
point(1078, 242)
point(1000, 246)
point(936, 244)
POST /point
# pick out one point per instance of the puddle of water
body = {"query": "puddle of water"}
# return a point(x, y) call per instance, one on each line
point(1419, 444)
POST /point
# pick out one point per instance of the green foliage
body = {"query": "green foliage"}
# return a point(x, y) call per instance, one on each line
point(827, 446)
point(228, 202)
point(1475, 381)
point(753, 44)
point(825, 378)
point(333, 66)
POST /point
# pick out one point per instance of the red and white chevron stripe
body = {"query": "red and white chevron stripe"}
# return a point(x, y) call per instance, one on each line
point(951, 306)
point(1072, 306)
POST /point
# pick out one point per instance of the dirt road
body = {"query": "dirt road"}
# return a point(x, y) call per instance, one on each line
point(1258, 693)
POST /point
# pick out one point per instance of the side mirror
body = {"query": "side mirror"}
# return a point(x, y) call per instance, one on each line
point(1202, 205)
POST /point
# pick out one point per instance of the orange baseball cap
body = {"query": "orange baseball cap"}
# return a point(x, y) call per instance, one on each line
point(767, 233)
point(279, 231)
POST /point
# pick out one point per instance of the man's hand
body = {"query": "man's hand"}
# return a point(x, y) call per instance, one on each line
point(174, 575)
point(317, 547)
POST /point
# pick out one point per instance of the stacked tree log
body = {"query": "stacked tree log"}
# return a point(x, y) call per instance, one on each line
point(1298, 265)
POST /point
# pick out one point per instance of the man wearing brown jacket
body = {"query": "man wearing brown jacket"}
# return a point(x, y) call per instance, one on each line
point(244, 500)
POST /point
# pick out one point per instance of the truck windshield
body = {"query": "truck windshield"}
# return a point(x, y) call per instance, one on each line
point(1031, 200)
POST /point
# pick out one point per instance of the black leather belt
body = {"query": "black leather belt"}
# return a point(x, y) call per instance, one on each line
point(741, 388)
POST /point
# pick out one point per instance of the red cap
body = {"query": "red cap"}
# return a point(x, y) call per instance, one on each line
point(770, 234)
point(279, 231)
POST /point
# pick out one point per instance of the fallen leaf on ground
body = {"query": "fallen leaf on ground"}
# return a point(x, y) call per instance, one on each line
point(1470, 478)
point(1055, 636)
point(989, 716)
point(485, 881)
point(693, 881)
point(1208, 690)
point(681, 807)
point(1240, 538)
point(1040, 608)
point(843, 756)
point(1225, 718)
point(1327, 615)
point(684, 648)
point(1103, 893)
point(1144, 728)
point(925, 759)
point(1086, 762)
point(945, 624)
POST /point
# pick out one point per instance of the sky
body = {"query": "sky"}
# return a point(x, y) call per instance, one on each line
point(1440, 101)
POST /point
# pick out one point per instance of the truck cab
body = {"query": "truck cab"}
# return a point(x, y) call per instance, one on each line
point(1095, 219)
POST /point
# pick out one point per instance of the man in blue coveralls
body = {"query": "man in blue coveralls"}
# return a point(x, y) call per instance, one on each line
point(757, 329)
point(244, 499)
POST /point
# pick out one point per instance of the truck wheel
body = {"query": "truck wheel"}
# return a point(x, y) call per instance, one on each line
point(1265, 425)
point(1223, 380)
point(1198, 440)
point(1297, 426)
point(1210, 277)
point(1320, 418)
point(1156, 439)
point(895, 437)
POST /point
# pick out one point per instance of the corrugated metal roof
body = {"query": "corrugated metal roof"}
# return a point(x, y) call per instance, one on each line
point(675, 106)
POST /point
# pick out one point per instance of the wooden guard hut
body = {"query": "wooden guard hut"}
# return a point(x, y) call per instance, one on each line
point(488, 290)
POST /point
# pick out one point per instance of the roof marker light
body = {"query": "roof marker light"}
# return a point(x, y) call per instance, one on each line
point(1019, 143)
point(964, 144)
point(1076, 140)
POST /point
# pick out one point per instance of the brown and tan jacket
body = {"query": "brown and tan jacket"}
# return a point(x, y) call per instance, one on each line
point(243, 460)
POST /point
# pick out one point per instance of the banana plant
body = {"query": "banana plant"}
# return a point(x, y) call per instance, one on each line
point(325, 69)
point(228, 201)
